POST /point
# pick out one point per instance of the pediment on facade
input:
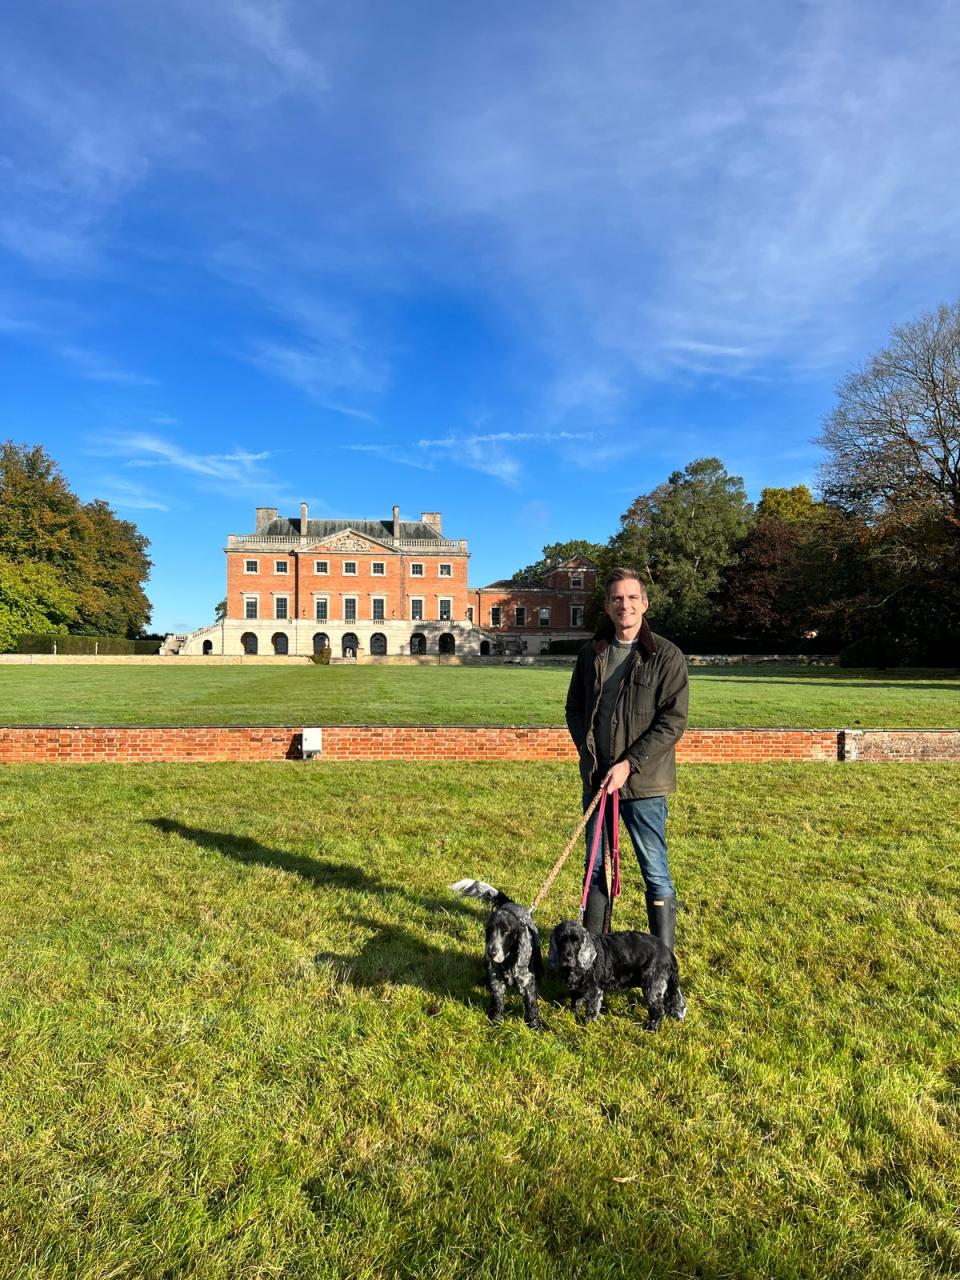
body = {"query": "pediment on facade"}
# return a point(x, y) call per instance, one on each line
point(351, 541)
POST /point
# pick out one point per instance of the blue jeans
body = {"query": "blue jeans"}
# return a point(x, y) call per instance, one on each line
point(646, 823)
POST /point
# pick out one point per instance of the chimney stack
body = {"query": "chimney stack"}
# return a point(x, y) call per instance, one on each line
point(433, 519)
point(303, 519)
point(264, 516)
point(396, 523)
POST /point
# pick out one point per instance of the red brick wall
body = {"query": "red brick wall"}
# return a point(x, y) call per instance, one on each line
point(22, 745)
point(557, 602)
point(373, 742)
point(146, 745)
point(756, 746)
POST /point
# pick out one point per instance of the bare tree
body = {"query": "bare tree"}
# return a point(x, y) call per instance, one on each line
point(893, 438)
point(893, 446)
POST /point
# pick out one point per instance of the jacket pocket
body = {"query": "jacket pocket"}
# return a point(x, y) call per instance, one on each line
point(643, 685)
point(644, 676)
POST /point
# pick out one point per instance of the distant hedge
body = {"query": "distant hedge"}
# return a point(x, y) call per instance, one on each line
point(724, 644)
point(106, 646)
point(567, 646)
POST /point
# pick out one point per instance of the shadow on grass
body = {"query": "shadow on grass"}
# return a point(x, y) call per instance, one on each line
point(393, 953)
point(321, 872)
point(397, 955)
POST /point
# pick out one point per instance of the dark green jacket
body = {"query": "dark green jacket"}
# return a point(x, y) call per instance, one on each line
point(648, 720)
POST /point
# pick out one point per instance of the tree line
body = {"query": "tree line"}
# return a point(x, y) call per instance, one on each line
point(870, 567)
point(66, 566)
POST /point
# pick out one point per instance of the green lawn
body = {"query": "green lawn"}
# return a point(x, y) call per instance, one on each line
point(817, 697)
point(242, 1031)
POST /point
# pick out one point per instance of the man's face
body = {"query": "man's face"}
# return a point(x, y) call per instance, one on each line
point(626, 604)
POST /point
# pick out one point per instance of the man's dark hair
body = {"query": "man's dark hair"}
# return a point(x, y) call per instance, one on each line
point(618, 575)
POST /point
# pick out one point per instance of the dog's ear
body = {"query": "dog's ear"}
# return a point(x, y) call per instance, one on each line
point(553, 957)
point(587, 953)
point(537, 958)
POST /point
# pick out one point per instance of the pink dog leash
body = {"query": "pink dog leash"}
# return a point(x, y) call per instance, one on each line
point(614, 851)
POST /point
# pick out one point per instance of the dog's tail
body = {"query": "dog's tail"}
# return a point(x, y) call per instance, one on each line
point(480, 889)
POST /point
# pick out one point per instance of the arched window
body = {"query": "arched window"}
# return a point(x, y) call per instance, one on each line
point(378, 644)
point(447, 643)
point(350, 645)
point(280, 642)
point(484, 648)
point(321, 641)
point(418, 643)
point(207, 646)
point(249, 642)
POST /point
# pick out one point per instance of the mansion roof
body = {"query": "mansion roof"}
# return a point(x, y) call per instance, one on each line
point(423, 536)
point(379, 530)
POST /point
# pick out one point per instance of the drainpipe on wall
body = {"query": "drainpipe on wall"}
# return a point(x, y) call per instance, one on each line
point(403, 588)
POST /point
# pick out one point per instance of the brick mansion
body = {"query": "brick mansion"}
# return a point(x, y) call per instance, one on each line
point(380, 588)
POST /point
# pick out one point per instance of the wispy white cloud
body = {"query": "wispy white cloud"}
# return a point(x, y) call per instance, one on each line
point(177, 471)
point(394, 454)
point(486, 453)
point(99, 368)
point(706, 190)
point(126, 496)
point(320, 370)
point(84, 134)
point(51, 334)
point(18, 326)
point(240, 469)
point(268, 29)
point(316, 345)
point(453, 441)
point(666, 195)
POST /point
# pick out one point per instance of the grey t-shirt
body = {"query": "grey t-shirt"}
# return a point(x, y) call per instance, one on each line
point(617, 655)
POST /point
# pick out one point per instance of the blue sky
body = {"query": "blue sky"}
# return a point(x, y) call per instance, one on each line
point(512, 262)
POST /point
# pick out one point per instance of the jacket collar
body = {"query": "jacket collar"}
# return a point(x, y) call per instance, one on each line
point(645, 641)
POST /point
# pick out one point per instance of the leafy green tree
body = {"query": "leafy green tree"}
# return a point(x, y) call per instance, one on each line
point(793, 506)
point(681, 537)
point(38, 512)
point(799, 580)
point(113, 602)
point(100, 560)
point(555, 553)
point(33, 600)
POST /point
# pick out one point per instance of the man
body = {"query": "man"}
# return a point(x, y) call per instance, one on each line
point(626, 711)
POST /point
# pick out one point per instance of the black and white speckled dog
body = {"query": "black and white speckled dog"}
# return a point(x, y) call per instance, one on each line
point(592, 963)
point(512, 953)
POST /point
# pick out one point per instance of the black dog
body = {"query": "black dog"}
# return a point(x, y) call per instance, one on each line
point(592, 963)
point(512, 953)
